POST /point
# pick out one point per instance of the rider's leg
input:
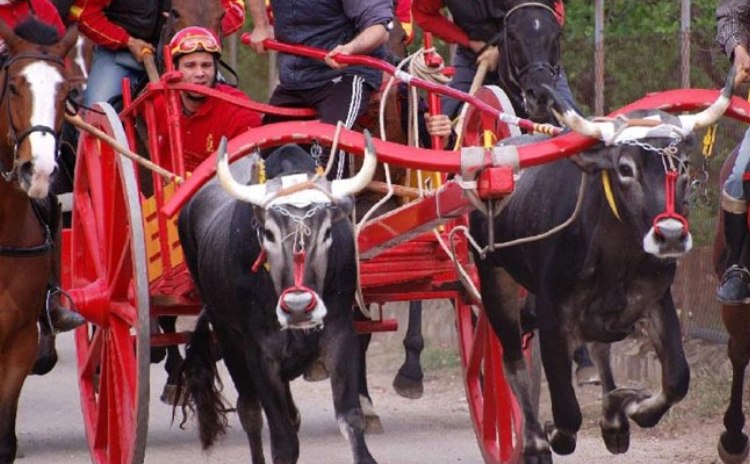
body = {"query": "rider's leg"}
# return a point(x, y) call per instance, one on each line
point(734, 284)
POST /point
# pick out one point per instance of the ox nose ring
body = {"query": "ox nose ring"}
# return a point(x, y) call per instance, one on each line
point(297, 300)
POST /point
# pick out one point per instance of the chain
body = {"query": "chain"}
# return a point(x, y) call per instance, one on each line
point(302, 230)
point(669, 154)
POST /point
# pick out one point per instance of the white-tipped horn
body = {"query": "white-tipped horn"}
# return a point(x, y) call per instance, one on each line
point(254, 194)
point(343, 187)
point(710, 115)
point(572, 119)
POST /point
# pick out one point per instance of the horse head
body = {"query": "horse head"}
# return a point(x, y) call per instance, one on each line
point(530, 55)
point(34, 88)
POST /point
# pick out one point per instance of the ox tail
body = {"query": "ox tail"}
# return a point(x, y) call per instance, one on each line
point(203, 385)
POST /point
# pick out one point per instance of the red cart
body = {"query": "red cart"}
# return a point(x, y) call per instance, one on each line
point(123, 264)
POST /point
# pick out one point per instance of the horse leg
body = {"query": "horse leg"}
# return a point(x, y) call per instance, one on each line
point(408, 381)
point(337, 341)
point(646, 409)
point(733, 444)
point(46, 355)
point(373, 424)
point(15, 364)
point(500, 295)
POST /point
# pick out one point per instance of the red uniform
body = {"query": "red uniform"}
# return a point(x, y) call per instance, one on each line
point(95, 24)
point(216, 118)
point(427, 14)
point(403, 14)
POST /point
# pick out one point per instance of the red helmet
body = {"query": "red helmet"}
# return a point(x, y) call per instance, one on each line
point(194, 39)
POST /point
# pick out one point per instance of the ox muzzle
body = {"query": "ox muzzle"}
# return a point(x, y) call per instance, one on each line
point(299, 306)
point(669, 237)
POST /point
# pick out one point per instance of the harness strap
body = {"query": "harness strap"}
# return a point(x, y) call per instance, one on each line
point(37, 250)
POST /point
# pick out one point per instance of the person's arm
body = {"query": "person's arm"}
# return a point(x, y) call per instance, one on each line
point(262, 28)
point(371, 18)
point(733, 34)
point(428, 16)
point(96, 26)
point(234, 16)
point(365, 42)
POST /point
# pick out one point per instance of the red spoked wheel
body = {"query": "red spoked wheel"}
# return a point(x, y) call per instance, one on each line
point(477, 122)
point(109, 284)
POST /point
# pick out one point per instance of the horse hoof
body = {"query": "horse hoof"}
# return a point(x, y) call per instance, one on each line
point(373, 425)
point(587, 375)
point(407, 387)
point(733, 454)
point(44, 363)
point(617, 440)
point(173, 396)
point(562, 443)
point(316, 372)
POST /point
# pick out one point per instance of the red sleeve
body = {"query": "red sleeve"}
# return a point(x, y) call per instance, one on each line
point(241, 118)
point(95, 25)
point(560, 11)
point(47, 13)
point(234, 18)
point(428, 16)
point(403, 14)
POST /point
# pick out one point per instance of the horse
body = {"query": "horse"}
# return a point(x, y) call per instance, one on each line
point(34, 87)
point(733, 443)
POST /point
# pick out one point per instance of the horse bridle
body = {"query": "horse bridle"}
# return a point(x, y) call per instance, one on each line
point(534, 65)
point(10, 174)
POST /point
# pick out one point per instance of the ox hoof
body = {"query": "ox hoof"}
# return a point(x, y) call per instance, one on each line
point(537, 457)
point(617, 440)
point(173, 395)
point(562, 443)
point(408, 387)
point(158, 354)
point(733, 452)
point(316, 372)
point(587, 375)
point(373, 425)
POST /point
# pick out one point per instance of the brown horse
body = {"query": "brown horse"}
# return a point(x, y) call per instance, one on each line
point(34, 87)
point(733, 444)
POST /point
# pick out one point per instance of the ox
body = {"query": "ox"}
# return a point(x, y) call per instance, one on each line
point(271, 325)
point(611, 267)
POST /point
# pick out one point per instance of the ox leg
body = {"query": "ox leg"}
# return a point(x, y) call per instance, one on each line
point(373, 424)
point(409, 379)
point(172, 393)
point(733, 444)
point(499, 295)
point(339, 340)
point(614, 423)
point(644, 408)
point(558, 367)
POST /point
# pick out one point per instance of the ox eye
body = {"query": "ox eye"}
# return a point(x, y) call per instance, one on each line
point(625, 170)
point(268, 236)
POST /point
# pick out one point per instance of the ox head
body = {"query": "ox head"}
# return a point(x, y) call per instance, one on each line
point(643, 168)
point(531, 55)
point(298, 211)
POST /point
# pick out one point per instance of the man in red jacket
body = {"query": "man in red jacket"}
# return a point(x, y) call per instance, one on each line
point(204, 120)
point(123, 30)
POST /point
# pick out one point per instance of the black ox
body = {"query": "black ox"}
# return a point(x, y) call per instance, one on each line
point(271, 324)
point(609, 268)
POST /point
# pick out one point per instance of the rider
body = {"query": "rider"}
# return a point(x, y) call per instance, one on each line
point(125, 30)
point(733, 34)
point(204, 120)
point(474, 25)
point(348, 27)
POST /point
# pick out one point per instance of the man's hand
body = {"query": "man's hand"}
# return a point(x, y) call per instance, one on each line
point(260, 34)
point(138, 48)
point(339, 50)
point(438, 124)
point(741, 65)
point(491, 56)
point(476, 46)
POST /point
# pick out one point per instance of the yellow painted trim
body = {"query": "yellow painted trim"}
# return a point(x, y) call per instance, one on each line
point(608, 194)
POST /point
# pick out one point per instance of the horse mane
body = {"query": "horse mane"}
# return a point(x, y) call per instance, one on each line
point(35, 31)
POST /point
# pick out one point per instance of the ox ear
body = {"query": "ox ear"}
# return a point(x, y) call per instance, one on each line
point(593, 161)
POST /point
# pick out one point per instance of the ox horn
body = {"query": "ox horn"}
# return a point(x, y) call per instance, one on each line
point(343, 187)
point(710, 115)
point(254, 194)
point(572, 119)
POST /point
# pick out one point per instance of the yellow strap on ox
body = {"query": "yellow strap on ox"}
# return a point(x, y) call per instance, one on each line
point(608, 194)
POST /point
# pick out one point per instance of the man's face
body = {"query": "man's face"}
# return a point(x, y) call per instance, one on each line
point(197, 68)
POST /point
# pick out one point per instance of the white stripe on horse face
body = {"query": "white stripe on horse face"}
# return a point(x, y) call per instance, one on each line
point(43, 80)
point(80, 62)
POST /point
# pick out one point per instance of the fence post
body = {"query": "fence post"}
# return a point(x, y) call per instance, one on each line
point(685, 44)
point(599, 58)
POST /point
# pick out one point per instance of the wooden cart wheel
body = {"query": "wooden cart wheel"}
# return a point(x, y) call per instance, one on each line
point(110, 287)
point(476, 122)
